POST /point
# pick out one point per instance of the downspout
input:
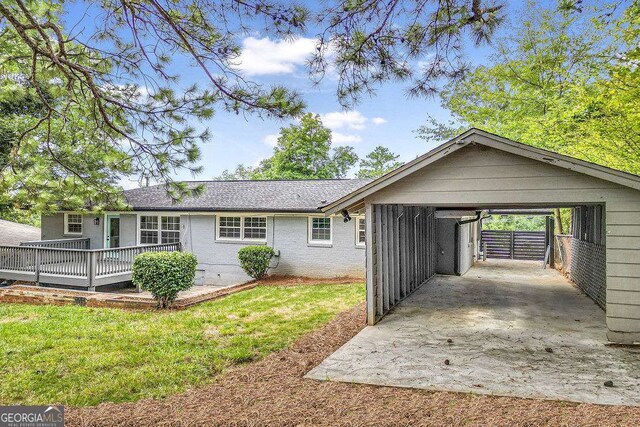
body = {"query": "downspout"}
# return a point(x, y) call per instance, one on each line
point(468, 221)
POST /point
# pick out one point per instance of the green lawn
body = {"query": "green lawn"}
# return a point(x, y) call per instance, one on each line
point(83, 356)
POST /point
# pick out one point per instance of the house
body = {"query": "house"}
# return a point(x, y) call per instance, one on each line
point(228, 215)
point(418, 220)
point(477, 171)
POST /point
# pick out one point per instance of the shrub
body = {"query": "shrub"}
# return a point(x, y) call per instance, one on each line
point(255, 260)
point(164, 274)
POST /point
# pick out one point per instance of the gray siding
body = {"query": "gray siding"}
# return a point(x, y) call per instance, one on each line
point(53, 228)
point(128, 229)
point(298, 257)
point(218, 260)
point(480, 176)
point(623, 268)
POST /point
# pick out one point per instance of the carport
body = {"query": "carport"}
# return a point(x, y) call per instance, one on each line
point(478, 171)
point(504, 328)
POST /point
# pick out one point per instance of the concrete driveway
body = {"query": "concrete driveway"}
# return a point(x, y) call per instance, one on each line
point(514, 329)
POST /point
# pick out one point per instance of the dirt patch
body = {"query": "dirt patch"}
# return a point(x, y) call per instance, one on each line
point(273, 392)
point(23, 294)
point(280, 280)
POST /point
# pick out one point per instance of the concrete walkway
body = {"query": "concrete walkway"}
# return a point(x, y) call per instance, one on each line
point(515, 330)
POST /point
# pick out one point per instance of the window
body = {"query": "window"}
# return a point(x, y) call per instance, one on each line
point(230, 227)
point(319, 230)
point(72, 224)
point(361, 234)
point(156, 229)
point(255, 228)
point(170, 229)
point(250, 228)
point(148, 230)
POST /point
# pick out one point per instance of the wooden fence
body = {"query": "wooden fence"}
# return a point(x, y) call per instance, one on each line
point(519, 245)
point(73, 267)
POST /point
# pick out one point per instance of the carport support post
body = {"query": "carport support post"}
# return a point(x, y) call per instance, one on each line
point(371, 279)
point(550, 241)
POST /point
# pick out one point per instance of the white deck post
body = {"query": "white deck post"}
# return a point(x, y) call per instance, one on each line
point(37, 267)
point(91, 270)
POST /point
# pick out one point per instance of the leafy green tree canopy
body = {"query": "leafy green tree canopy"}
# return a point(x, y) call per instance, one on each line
point(101, 101)
point(377, 163)
point(565, 82)
point(303, 151)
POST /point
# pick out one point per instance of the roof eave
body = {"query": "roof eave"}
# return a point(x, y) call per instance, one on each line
point(226, 209)
point(485, 138)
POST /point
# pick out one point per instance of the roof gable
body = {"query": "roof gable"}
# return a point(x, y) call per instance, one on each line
point(479, 137)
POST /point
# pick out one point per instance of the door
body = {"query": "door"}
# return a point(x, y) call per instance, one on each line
point(113, 231)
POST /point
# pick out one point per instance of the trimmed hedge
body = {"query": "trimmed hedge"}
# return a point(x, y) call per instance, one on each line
point(164, 274)
point(255, 260)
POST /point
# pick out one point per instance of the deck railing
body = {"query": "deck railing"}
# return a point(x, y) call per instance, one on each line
point(114, 261)
point(76, 267)
point(79, 243)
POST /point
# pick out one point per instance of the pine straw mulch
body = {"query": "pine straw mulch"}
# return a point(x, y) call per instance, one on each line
point(272, 392)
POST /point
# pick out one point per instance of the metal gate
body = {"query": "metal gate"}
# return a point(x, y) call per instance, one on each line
point(521, 245)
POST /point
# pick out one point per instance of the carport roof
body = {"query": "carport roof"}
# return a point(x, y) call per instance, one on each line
point(481, 137)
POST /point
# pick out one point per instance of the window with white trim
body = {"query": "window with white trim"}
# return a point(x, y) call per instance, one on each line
point(241, 228)
point(255, 228)
point(72, 223)
point(361, 234)
point(319, 230)
point(170, 229)
point(156, 229)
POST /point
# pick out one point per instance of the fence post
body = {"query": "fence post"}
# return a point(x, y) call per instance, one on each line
point(91, 271)
point(552, 246)
point(512, 245)
point(37, 267)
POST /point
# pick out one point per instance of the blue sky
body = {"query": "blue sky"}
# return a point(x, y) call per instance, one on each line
point(389, 118)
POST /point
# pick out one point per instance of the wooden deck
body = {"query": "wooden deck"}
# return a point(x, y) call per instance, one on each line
point(68, 263)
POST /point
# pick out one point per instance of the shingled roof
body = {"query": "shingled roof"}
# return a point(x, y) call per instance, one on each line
point(256, 196)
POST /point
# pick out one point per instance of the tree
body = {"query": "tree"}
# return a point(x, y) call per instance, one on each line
point(117, 109)
point(241, 172)
point(303, 151)
point(561, 83)
point(377, 163)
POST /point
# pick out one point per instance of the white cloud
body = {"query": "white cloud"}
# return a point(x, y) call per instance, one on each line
point(128, 183)
point(378, 120)
point(271, 140)
point(256, 164)
point(338, 138)
point(344, 119)
point(265, 56)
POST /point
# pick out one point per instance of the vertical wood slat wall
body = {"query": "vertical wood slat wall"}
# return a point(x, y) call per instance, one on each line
point(402, 254)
